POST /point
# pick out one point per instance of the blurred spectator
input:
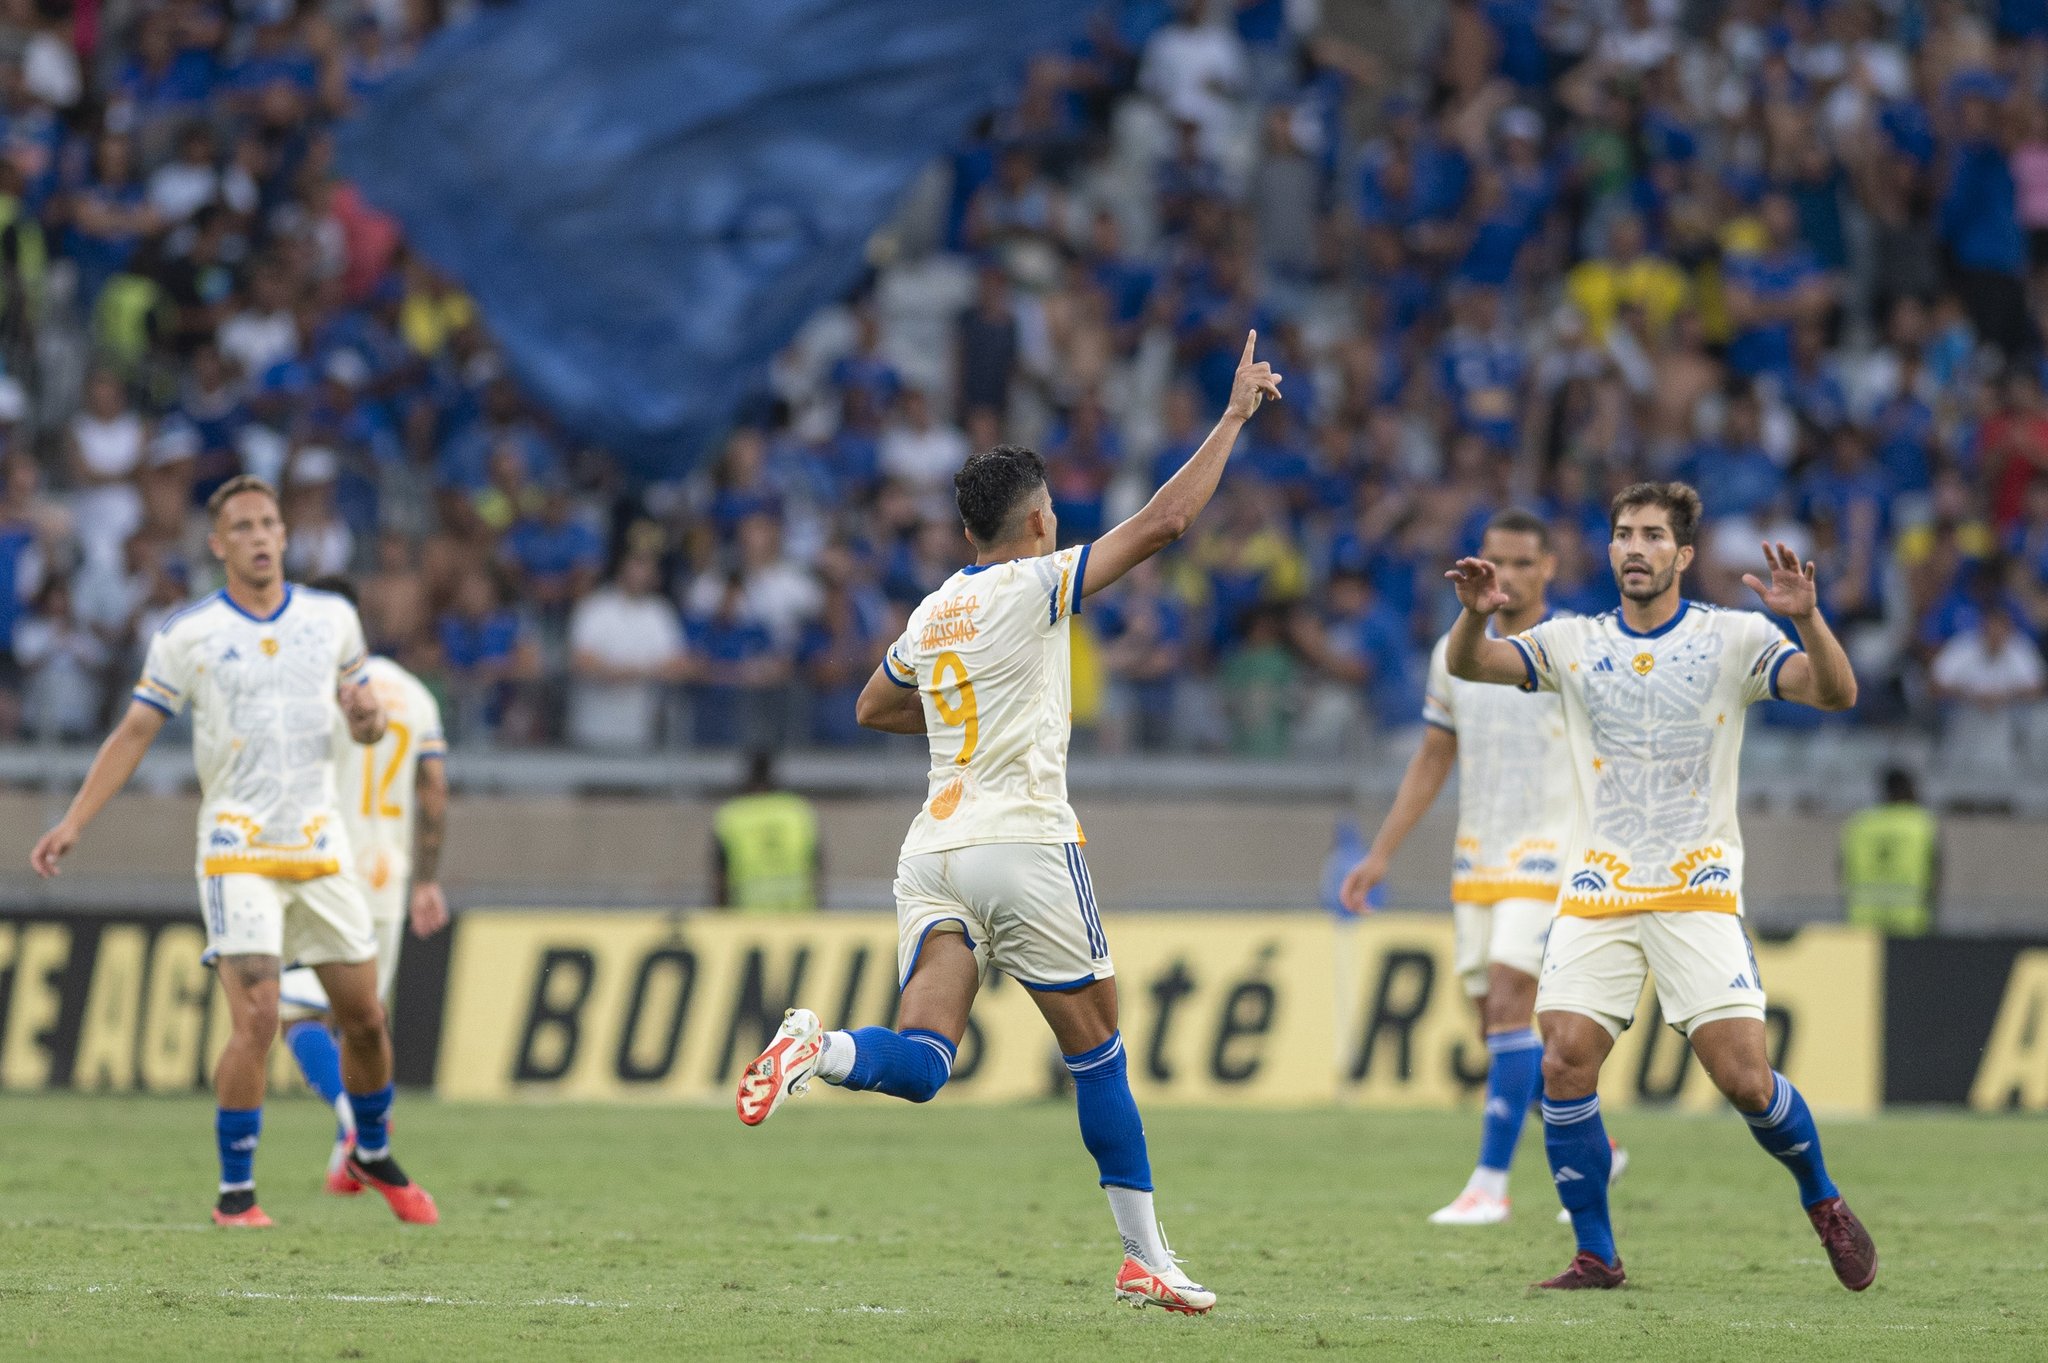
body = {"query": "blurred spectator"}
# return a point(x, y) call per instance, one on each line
point(104, 450)
point(553, 555)
point(741, 671)
point(766, 856)
point(920, 449)
point(1145, 652)
point(626, 652)
point(486, 651)
point(64, 668)
point(1891, 862)
point(1989, 674)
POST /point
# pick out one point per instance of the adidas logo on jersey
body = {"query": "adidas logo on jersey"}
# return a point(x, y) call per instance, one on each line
point(1604, 665)
point(233, 655)
point(1740, 982)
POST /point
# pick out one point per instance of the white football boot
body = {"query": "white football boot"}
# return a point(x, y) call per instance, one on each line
point(785, 1068)
point(1170, 1288)
point(1473, 1207)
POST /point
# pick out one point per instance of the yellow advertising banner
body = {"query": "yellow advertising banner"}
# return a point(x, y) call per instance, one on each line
point(1217, 1009)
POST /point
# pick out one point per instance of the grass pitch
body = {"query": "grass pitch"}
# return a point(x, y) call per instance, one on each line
point(859, 1228)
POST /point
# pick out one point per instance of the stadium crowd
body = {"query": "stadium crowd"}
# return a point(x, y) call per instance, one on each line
point(1794, 251)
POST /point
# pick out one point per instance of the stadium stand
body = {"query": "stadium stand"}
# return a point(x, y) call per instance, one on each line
point(1794, 252)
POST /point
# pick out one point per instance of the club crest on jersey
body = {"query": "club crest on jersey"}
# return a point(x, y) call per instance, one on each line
point(270, 649)
point(1642, 663)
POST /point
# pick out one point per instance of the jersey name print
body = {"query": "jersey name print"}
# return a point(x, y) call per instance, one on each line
point(1654, 725)
point(988, 652)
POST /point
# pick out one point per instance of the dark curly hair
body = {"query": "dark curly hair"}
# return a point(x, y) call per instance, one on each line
point(991, 485)
point(1680, 503)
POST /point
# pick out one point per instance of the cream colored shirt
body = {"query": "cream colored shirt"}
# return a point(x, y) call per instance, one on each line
point(379, 782)
point(264, 710)
point(988, 652)
point(1654, 726)
point(1515, 794)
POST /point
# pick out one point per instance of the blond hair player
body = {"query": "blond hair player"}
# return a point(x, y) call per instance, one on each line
point(267, 669)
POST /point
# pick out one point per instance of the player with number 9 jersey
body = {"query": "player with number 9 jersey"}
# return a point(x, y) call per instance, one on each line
point(991, 875)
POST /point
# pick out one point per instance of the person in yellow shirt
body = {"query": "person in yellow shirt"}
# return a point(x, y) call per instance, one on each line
point(1628, 276)
point(1891, 862)
point(766, 855)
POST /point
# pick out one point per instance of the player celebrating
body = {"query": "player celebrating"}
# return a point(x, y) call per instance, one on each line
point(992, 872)
point(262, 664)
point(1654, 696)
point(1514, 816)
point(394, 803)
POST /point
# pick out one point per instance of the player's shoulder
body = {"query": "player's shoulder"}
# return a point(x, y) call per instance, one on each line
point(315, 601)
point(195, 617)
point(1734, 621)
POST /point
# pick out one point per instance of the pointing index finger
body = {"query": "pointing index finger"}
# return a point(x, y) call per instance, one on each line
point(1249, 341)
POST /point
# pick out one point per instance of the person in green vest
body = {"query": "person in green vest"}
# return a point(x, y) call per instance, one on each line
point(1891, 862)
point(765, 847)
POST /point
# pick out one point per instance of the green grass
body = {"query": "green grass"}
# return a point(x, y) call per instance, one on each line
point(857, 1228)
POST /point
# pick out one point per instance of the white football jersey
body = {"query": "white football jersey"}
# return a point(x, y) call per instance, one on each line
point(1654, 723)
point(1515, 794)
point(264, 707)
point(988, 651)
point(379, 781)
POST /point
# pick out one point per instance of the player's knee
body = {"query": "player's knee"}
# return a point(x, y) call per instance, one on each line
point(363, 1023)
point(256, 1020)
point(1566, 1074)
point(1749, 1085)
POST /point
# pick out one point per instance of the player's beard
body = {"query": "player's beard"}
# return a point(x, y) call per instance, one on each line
point(1659, 584)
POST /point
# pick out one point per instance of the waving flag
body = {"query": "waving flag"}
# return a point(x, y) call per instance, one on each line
point(648, 197)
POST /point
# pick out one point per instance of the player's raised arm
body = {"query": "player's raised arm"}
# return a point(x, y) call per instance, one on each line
point(1174, 507)
point(111, 767)
point(1821, 676)
point(1469, 653)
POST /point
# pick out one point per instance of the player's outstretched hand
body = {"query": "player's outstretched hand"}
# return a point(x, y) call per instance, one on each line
point(1477, 587)
point(429, 909)
point(1255, 382)
point(1790, 592)
point(1359, 884)
point(50, 849)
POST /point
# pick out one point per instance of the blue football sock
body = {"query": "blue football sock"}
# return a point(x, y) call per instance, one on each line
point(235, 1130)
point(914, 1063)
point(373, 1134)
point(1110, 1125)
point(1786, 1129)
point(312, 1045)
point(1580, 1160)
point(1513, 1079)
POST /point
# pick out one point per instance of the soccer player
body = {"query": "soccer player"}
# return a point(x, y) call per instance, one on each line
point(1654, 697)
point(1514, 818)
point(394, 803)
point(265, 667)
point(992, 873)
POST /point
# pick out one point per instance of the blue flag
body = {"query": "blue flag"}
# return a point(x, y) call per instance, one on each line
point(648, 197)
